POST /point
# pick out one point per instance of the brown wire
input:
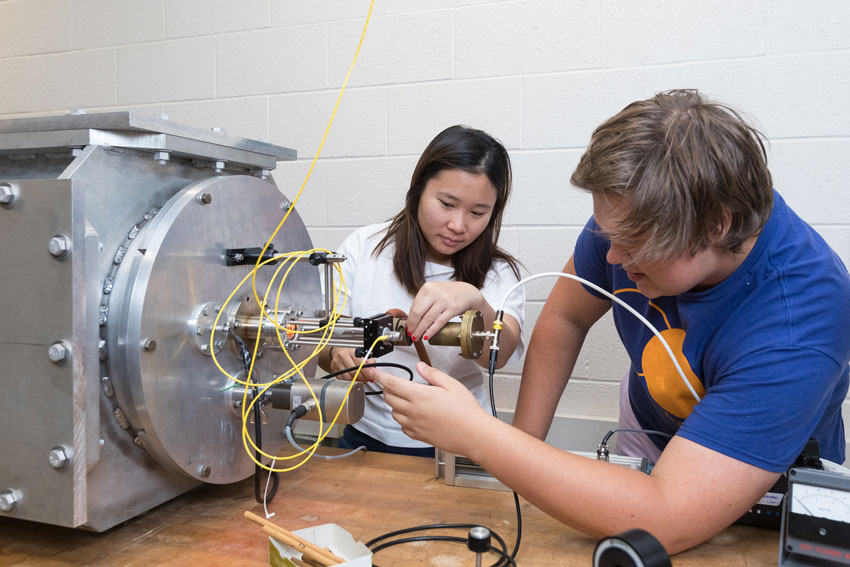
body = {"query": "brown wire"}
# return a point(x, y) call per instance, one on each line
point(418, 345)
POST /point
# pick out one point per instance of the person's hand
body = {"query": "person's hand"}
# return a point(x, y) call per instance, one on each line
point(344, 358)
point(436, 303)
point(444, 414)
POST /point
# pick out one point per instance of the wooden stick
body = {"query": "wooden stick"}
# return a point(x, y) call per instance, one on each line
point(295, 541)
point(303, 543)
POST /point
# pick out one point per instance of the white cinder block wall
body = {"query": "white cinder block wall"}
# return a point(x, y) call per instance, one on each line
point(537, 74)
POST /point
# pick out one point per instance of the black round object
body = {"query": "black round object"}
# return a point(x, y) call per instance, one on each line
point(479, 539)
point(632, 548)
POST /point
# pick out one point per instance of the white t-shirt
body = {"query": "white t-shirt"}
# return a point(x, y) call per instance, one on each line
point(373, 288)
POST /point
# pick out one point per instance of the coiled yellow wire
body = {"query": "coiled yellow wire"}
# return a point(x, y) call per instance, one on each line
point(290, 258)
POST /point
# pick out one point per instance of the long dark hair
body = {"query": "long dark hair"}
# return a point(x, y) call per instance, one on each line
point(470, 150)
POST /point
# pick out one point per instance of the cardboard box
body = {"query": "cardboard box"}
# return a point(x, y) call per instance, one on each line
point(339, 541)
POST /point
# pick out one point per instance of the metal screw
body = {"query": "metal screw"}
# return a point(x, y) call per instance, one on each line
point(205, 348)
point(205, 198)
point(149, 345)
point(219, 345)
point(59, 352)
point(286, 205)
point(7, 195)
point(218, 166)
point(58, 457)
point(204, 471)
point(162, 157)
point(8, 500)
point(263, 173)
point(59, 246)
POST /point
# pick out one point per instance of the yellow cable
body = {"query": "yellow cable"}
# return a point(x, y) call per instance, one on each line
point(327, 330)
point(315, 445)
point(321, 144)
point(218, 316)
point(286, 258)
point(332, 317)
point(247, 407)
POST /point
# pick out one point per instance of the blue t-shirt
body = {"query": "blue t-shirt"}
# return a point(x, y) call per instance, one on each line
point(767, 349)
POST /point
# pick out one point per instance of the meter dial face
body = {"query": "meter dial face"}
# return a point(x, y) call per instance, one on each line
point(821, 502)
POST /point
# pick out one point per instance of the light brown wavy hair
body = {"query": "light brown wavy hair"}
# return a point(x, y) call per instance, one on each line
point(692, 174)
point(466, 149)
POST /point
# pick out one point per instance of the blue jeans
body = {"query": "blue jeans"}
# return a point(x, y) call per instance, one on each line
point(353, 438)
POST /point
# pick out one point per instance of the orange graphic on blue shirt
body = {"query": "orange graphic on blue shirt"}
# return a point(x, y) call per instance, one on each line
point(663, 381)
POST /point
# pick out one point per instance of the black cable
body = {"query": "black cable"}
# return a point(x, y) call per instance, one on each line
point(502, 552)
point(647, 431)
point(505, 560)
point(298, 412)
point(258, 429)
point(258, 439)
point(370, 365)
point(490, 374)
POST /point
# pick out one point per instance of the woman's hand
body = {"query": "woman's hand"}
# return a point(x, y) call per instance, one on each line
point(344, 358)
point(436, 303)
point(444, 414)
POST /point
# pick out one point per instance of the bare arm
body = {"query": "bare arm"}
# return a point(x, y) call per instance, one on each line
point(595, 497)
point(569, 313)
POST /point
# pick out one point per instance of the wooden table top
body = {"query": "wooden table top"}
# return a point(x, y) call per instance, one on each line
point(368, 494)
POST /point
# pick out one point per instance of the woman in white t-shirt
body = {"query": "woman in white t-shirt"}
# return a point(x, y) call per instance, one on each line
point(437, 258)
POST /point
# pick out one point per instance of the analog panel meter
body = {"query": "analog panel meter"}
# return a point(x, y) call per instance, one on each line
point(816, 519)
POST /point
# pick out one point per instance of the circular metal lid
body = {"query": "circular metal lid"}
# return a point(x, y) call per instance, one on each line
point(174, 270)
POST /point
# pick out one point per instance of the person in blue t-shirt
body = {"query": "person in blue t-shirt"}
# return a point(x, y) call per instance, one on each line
point(688, 230)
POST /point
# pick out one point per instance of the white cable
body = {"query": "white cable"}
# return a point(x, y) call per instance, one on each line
point(266, 493)
point(292, 442)
point(628, 307)
point(288, 429)
point(829, 466)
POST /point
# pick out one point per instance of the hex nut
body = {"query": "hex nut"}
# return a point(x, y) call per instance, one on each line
point(7, 195)
point(59, 246)
point(59, 352)
point(8, 500)
point(57, 457)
